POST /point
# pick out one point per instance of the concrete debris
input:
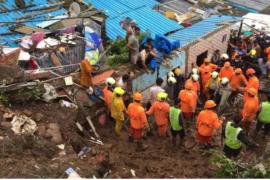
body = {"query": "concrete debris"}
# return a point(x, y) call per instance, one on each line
point(261, 168)
point(23, 125)
point(27, 113)
point(8, 114)
point(53, 132)
point(50, 93)
point(38, 117)
point(61, 146)
point(6, 124)
point(72, 174)
point(133, 172)
point(67, 104)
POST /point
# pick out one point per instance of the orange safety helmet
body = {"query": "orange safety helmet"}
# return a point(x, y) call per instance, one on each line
point(137, 96)
point(238, 71)
point(207, 60)
point(188, 85)
point(210, 104)
point(227, 64)
point(250, 71)
point(252, 91)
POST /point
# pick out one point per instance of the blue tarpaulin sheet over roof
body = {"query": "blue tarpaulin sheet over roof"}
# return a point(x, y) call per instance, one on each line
point(200, 29)
point(12, 14)
point(140, 10)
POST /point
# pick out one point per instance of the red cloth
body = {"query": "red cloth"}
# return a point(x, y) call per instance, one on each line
point(37, 36)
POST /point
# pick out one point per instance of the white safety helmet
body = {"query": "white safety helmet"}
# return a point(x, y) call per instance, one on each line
point(225, 56)
point(171, 80)
point(195, 71)
point(90, 90)
point(110, 81)
point(214, 74)
point(195, 77)
point(170, 74)
point(224, 81)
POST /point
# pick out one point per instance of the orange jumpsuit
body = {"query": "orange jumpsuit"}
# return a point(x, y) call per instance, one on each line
point(251, 107)
point(188, 102)
point(161, 114)
point(267, 51)
point(195, 86)
point(137, 118)
point(226, 72)
point(107, 97)
point(86, 78)
point(205, 71)
point(237, 80)
point(253, 82)
point(207, 122)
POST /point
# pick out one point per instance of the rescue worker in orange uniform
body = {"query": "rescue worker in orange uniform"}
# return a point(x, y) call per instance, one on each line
point(206, 69)
point(138, 120)
point(226, 71)
point(108, 92)
point(207, 123)
point(195, 83)
point(250, 109)
point(238, 80)
point(86, 76)
point(188, 102)
point(160, 109)
point(253, 82)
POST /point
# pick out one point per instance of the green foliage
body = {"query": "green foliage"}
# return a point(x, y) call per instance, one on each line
point(3, 99)
point(118, 53)
point(227, 168)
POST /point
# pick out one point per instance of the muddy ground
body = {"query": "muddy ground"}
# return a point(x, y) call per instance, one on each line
point(38, 157)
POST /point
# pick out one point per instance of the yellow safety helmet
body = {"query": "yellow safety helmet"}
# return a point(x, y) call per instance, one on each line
point(161, 96)
point(119, 91)
point(253, 52)
point(177, 71)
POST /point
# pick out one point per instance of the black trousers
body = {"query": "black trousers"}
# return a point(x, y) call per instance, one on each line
point(260, 125)
point(229, 152)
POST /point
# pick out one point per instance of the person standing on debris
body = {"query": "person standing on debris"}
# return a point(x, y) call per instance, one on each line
point(133, 46)
point(207, 123)
point(131, 29)
point(169, 88)
point(264, 117)
point(213, 85)
point(226, 71)
point(108, 92)
point(250, 109)
point(86, 74)
point(176, 122)
point(253, 81)
point(216, 56)
point(223, 94)
point(188, 102)
point(234, 137)
point(195, 83)
point(118, 109)
point(138, 120)
point(238, 82)
point(180, 81)
point(154, 90)
point(206, 69)
point(160, 109)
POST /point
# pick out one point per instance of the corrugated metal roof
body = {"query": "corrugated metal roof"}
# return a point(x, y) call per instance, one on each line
point(258, 5)
point(13, 14)
point(199, 29)
point(139, 10)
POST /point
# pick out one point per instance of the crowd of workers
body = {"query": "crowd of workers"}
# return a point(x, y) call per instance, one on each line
point(197, 102)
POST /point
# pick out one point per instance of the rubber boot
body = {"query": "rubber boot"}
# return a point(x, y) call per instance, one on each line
point(181, 142)
point(174, 141)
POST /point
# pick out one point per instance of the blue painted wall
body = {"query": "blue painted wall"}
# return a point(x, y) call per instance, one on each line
point(145, 81)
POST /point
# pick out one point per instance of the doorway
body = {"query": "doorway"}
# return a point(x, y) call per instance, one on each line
point(201, 57)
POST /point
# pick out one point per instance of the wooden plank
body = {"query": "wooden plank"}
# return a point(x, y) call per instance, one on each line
point(100, 78)
point(28, 29)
